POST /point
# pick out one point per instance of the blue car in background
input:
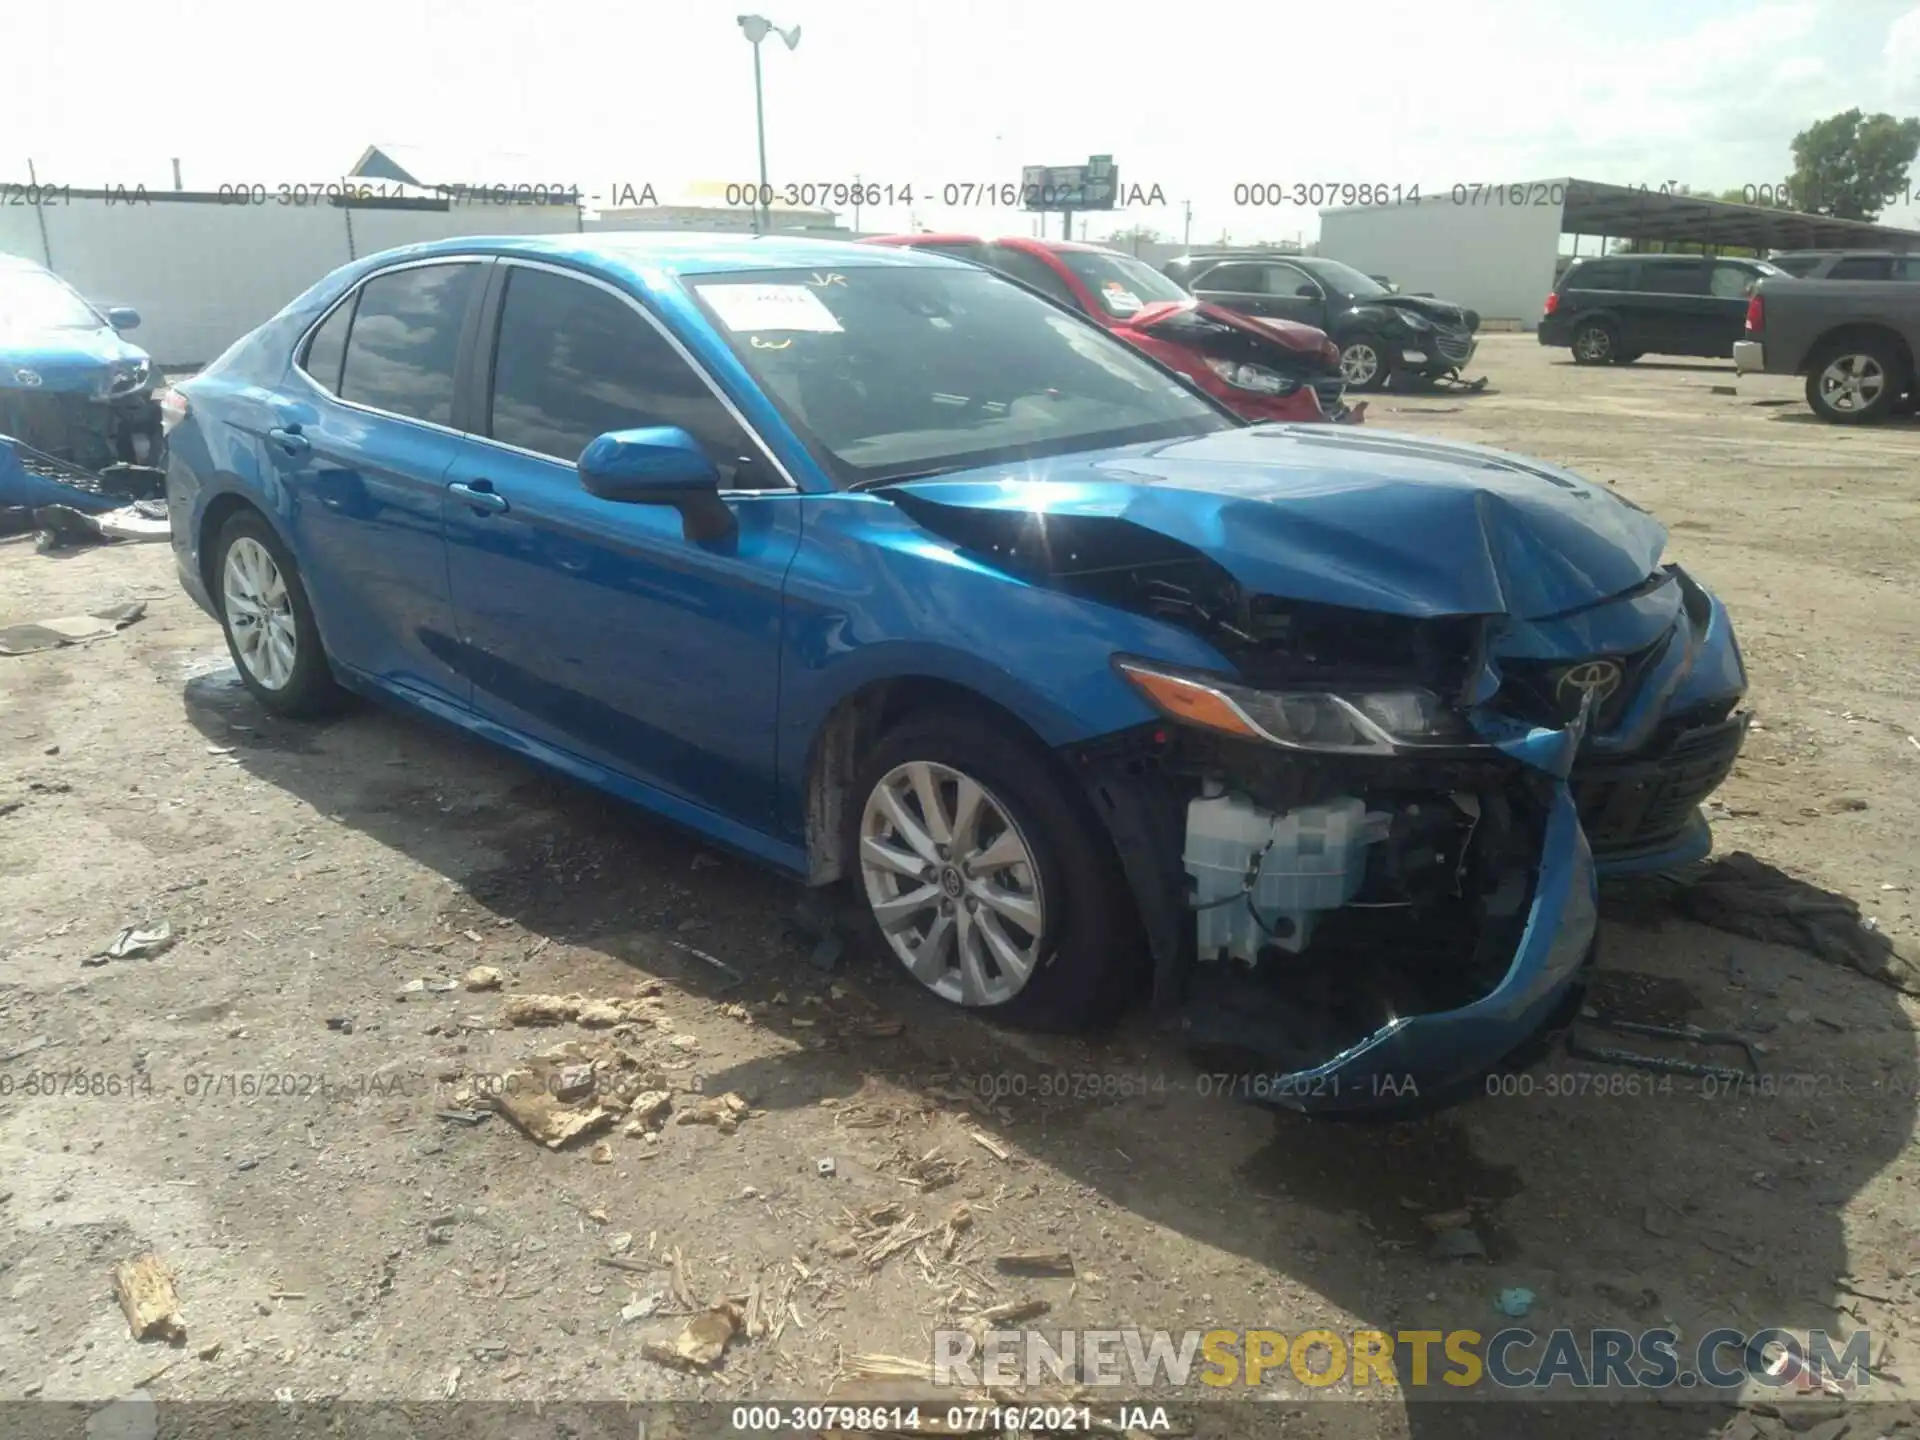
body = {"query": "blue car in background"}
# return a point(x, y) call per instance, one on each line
point(876, 567)
point(70, 386)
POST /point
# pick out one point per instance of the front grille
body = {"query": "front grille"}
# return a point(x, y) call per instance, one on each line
point(69, 427)
point(1544, 692)
point(1330, 391)
point(1637, 801)
point(1455, 347)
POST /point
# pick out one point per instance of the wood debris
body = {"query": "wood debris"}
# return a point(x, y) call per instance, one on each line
point(145, 1289)
point(724, 1112)
point(701, 1343)
point(959, 1218)
point(987, 1145)
point(484, 977)
point(529, 1096)
point(1036, 1262)
point(1013, 1312)
point(648, 1111)
point(931, 1171)
point(883, 1231)
point(559, 1009)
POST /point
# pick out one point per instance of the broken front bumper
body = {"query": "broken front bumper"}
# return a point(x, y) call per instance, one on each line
point(1434, 1057)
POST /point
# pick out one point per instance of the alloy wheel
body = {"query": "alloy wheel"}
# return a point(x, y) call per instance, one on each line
point(952, 882)
point(1852, 383)
point(1593, 343)
point(1359, 363)
point(259, 613)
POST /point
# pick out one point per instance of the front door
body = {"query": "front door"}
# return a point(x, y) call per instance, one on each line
point(596, 626)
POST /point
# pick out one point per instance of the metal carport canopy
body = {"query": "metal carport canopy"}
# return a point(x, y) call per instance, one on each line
point(1593, 208)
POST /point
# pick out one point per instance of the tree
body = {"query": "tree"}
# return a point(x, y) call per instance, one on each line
point(1852, 166)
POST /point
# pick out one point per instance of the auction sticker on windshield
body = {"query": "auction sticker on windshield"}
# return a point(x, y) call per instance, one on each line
point(769, 307)
point(1121, 300)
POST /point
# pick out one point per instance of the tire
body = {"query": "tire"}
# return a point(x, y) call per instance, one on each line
point(1595, 342)
point(259, 592)
point(1354, 366)
point(1087, 961)
point(1856, 382)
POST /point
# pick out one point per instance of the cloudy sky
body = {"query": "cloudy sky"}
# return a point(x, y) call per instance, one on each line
point(1194, 98)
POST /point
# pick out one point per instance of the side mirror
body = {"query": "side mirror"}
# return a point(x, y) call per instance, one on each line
point(659, 465)
point(1307, 290)
point(123, 317)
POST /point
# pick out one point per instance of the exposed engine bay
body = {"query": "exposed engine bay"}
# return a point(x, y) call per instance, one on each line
point(1351, 830)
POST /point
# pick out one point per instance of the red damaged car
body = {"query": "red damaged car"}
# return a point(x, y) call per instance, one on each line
point(1261, 369)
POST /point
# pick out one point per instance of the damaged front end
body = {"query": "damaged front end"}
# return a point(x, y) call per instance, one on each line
point(1357, 844)
point(1256, 366)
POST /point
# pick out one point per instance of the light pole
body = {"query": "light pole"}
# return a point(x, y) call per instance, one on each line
point(756, 28)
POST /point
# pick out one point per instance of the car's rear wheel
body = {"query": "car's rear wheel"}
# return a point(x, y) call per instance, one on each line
point(1595, 342)
point(986, 877)
point(1855, 383)
point(269, 622)
point(1365, 362)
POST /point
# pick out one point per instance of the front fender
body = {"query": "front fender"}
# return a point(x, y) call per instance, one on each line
point(872, 596)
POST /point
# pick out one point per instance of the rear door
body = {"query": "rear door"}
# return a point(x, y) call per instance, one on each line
point(1667, 310)
point(594, 626)
point(1239, 285)
point(1293, 294)
point(364, 458)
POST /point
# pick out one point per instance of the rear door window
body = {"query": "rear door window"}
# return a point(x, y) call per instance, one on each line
point(405, 340)
point(1233, 279)
point(1861, 267)
point(1909, 268)
point(327, 347)
point(1673, 277)
point(1733, 282)
point(1601, 275)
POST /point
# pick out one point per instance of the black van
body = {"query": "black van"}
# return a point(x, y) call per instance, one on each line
point(1613, 309)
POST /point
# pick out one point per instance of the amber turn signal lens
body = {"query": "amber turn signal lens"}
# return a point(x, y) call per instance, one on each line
point(1191, 701)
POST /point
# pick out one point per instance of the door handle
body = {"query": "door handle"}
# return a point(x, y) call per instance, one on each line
point(480, 495)
point(290, 440)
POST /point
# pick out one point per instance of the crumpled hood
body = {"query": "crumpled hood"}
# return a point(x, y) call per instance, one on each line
point(1304, 339)
point(64, 360)
point(1371, 520)
point(1444, 312)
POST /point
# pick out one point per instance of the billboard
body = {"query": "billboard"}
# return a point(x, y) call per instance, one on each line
point(1092, 186)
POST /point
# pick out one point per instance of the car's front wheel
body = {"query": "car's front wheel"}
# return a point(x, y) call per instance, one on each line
point(1595, 343)
point(987, 878)
point(1855, 383)
point(269, 622)
point(1365, 362)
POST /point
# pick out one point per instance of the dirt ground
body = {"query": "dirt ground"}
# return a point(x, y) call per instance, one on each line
point(261, 1106)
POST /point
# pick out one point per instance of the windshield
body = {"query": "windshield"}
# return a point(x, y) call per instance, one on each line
point(35, 300)
point(1347, 280)
point(891, 371)
point(1121, 284)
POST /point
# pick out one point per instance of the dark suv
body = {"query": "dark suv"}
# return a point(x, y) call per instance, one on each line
point(1379, 331)
point(1613, 309)
point(1848, 265)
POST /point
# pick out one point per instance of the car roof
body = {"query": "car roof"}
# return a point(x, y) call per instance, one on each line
point(1015, 242)
point(20, 262)
point(644, 255)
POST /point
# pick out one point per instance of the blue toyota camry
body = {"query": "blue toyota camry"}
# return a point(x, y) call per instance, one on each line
point(882, 568)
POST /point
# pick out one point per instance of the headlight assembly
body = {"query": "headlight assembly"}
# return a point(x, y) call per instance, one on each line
point(1256, 378)
point(131, 377)
point(1372, 721)
point(1415, 321)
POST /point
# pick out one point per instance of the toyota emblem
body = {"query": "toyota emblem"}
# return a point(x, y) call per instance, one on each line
point(1593, 680)
point(26, 377)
